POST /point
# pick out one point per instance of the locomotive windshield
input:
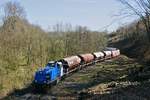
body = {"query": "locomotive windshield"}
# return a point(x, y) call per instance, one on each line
point(51, 64)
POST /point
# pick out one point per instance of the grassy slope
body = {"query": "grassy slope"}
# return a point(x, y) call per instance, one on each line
point(120, 78)
point(15, 79)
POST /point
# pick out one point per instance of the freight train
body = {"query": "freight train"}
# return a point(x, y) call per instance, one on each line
point(54, 71)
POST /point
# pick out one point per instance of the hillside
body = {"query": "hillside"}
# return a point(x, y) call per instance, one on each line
point(119, 78)
point(132, 40)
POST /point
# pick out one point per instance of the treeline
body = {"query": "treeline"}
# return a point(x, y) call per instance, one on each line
point(24, 47)
point(132, 32)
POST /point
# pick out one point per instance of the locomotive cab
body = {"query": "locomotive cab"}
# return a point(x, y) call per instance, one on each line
point(51, 72)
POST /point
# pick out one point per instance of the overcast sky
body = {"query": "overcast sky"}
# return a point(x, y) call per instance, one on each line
point(95, 14)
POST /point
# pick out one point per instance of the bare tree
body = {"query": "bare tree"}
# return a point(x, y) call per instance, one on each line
point(140, 8)
point(14, 9)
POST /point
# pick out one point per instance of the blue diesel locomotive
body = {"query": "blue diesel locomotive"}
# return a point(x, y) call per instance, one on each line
point(51, 72)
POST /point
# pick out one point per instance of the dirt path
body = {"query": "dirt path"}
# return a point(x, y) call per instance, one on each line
point(117, 79)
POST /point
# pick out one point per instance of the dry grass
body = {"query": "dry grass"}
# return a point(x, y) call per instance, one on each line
point(16, 79)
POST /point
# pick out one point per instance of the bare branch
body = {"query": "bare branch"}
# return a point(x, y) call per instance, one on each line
point(140, 8)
